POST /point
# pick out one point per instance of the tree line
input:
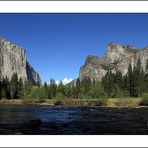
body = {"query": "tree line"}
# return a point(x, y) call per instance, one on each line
point(113, 85)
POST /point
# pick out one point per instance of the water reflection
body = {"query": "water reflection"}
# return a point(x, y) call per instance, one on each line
point(17, 114)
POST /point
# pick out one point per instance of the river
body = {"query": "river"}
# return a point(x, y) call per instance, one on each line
point(16, 120)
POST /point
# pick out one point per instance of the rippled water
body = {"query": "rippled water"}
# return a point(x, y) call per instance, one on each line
point(73, 120)
point(17, 114)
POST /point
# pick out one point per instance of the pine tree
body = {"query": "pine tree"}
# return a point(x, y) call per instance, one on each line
point(146, 78)
point(0, 88)
point(78, 88)
point(20, 89)
point(130, 81)
point(138, 79)
point(14, 86)
point(52, 89)
point(27, 88)
point(118, 79)
point(108, 83)
point(60, 94)
point(5, 88)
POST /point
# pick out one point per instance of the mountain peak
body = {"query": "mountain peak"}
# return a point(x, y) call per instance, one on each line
point(117, 57)
point(13, 60)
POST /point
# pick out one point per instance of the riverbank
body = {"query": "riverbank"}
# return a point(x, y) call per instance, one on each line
point(110, 102)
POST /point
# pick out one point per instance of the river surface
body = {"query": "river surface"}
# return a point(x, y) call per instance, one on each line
point(73, 120)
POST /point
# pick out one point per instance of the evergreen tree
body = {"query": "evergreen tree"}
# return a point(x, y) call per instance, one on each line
point(27, 88)
point(117, 91)
point(118, 79)
point(43, 94)
point(97, 91)
point(146, 78)
point(78, 89)
point(52, 89)
point(108, 83)
point(138, 79)
point(85, 85)
point(46, 87)
point(130, 81)
point(68, 91)
point(5, 88)
point(20, 89)
point(60, 94)
point(14, 86)
point(0, 88)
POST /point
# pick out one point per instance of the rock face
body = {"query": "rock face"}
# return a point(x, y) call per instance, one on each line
point(32, 74)
point(13, 60)
point(117, 57)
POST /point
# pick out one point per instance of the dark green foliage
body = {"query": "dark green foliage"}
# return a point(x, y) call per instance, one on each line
point(14, 86)
point(97, 91)
point(145, 99)
point(130, 81)
point(108, 83)
point(27, 88)
point(138, 79)
point(52, 89)
point(5, 88)
point(20, 89)
point(113, 85)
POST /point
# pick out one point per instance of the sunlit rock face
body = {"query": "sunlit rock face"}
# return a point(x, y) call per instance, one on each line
point(117, 57)
point(13, 60)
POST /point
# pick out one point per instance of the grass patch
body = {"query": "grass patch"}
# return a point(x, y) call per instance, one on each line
point(144, 99)
point(33, 101)
point(80, 102)
point(123, 102)
point(111, 102)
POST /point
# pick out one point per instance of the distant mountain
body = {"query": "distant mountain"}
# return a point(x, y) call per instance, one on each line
point(13, 60)
point(117, 57)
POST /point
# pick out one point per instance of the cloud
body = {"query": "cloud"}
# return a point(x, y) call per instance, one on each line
point(64, 81)
point(57, 82)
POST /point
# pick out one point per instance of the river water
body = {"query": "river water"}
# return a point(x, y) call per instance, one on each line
point(73, 120)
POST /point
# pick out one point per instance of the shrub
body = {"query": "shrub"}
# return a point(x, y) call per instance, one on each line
point(111, 102)
point(144, 99)
point(101, 102)
point(128, 102)
point(123, 102)
point(57, 102)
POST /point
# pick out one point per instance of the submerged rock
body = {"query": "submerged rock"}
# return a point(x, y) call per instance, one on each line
point(35, 123)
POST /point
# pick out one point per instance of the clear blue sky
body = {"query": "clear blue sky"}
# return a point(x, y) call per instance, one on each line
point(57, 44)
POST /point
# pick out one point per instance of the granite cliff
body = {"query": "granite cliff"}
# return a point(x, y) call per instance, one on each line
point(13, 60)
point(117, 57)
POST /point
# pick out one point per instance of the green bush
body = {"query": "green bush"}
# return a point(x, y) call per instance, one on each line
point(144, 99)
point(57, 102)
point(101, 102)
point(128, 102)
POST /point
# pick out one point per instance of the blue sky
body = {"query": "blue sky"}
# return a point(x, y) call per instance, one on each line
point(57, 44)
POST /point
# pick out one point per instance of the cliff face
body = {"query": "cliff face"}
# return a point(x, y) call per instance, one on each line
point(13, 60)
point(32, 75)
point(117, 57)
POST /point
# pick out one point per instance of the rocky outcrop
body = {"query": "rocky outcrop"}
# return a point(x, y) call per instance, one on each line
point(117, 57)
point(32, 75)
point(13, 60)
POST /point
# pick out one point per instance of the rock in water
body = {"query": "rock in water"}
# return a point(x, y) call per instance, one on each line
point(13, 60)
point(117, 57)
point(35, 123)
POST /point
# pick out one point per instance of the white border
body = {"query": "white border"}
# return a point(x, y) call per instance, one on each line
point(73, 7)
point(73, 141)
